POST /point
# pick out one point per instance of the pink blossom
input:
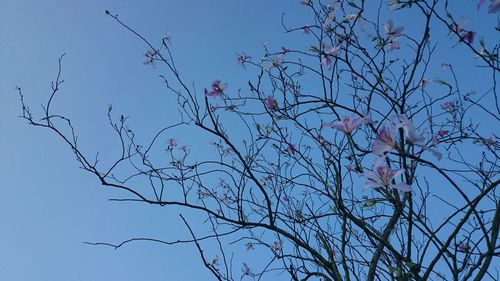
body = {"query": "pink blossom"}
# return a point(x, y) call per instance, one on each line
point(292, 148)
point(285, 50)
point(450, 106)
point(217, 89)
point(463, 247)
point(348, 124)
point(171, 143)
point(442, 133)
point(411, 135)
point(277, 60)
point(385, 140)
point(271, 103)
point(242, 58)
point(330, 18)
point(383, 175)
point(424, 83)
point(393, 34)
point(150, 57)
point(469, 36)
point(391, 31)
point(329, 52)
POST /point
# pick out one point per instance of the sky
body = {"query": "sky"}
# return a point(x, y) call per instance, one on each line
point(48, 206)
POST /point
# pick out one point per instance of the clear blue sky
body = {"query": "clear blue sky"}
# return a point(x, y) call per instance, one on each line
point(48, 206)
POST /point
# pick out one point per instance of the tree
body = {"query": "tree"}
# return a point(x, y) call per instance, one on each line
point(341, 158)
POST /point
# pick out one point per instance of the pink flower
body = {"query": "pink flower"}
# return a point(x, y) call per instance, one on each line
point(392, 32)
point(442, 133)
point(424, 83)
point(383, 175)
point(242, 58)
point(217, 89)
point(411, 135)
point(348, 124)
point(150, 57)
point(292, 148)
point(463, 247)
point(171, 143)
point(271, 103)
point(450, 106)
point(330, 18)
point(277, 61)
point(469, 36)
point(385, 140)
point(285, 50)
point(329, 52)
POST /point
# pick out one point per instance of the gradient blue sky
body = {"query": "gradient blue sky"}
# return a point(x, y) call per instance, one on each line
point(48, 206)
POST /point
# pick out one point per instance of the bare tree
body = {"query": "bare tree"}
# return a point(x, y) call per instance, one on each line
point(342, 159)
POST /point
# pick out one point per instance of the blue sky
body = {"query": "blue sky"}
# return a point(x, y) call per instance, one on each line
point(48, 206)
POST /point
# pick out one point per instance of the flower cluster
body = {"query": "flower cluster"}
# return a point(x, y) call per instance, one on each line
point(217, 89)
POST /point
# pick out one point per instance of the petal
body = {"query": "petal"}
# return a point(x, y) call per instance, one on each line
point(380, 147)
point(356, 122)
point(401, 186)
point(397, 31)
point(211, 93)
point(396, 173)
point(372, 176)
point(371, 184)
point(436, 153)
point(339, 125)
point(388, 26)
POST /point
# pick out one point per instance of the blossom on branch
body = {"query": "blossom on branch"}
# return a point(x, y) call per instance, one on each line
point(217, 89)
point(329, 52)
point(348, 124)
point(385, 140)
point(382, 175)
point(410, 132)
point(271, 103)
